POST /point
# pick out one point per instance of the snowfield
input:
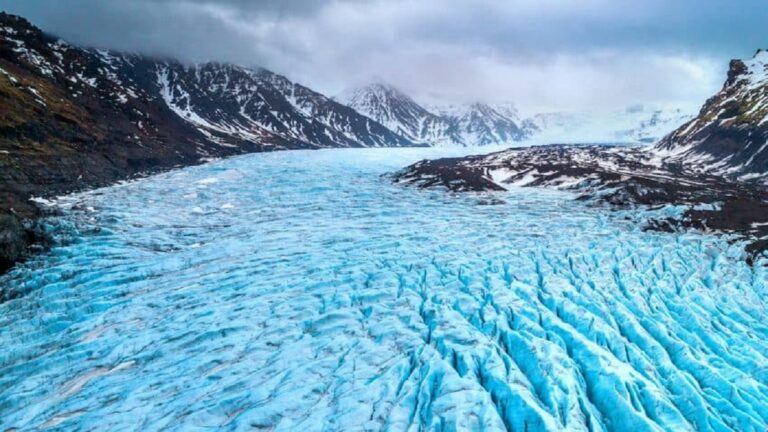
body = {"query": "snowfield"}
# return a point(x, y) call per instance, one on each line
point(304, 291)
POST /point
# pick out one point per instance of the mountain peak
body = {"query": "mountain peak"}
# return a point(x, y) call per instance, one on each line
point(477, 123)
point(396, 110)
point(7, 19)
point(20, 30)
point(383, 87)
point(481, 107)
point(374, 93)
point(753, 71)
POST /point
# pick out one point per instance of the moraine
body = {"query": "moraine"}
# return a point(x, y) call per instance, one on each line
point(303, 290)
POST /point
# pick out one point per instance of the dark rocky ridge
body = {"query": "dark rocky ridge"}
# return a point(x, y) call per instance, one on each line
point(620, 177)
point(730, 134)
point(74, 118)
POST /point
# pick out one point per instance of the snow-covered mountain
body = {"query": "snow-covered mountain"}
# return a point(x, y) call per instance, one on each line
point(464, 125)
point(401, 114)
point(227, 100)
point(484, 124)
point(499, 124)
point(634, 124)
point(243, 102)
point(73, 117)
point(228, 105)
point(730, 134)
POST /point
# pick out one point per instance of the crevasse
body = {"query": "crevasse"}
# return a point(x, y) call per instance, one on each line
point(303, 291)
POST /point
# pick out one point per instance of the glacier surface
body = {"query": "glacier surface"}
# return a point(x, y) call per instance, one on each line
point(304, 291)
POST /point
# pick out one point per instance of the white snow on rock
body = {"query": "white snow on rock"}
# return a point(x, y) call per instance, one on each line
point(729, 135)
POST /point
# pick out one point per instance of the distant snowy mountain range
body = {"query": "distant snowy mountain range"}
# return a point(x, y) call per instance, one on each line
point(475, 124)
point(635, 124)
point(224, 109)
point(486, 124)
point(223, 101)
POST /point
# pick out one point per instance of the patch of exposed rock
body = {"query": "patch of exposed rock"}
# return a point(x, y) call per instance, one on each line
point(620, 177)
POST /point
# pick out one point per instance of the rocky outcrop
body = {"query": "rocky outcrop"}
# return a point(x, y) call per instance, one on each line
point(617, 176)
point(715, 166)
point(13, 238)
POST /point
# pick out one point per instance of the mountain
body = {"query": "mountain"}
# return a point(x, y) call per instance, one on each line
point(484, 124)
point(729, 136)
point(498, 124)
point(115, 112)
point(464, 125)
point(401, 114)
point(76, 117)
point(224, 101)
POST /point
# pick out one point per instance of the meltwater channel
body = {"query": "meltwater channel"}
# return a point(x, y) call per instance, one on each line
point(303, 291)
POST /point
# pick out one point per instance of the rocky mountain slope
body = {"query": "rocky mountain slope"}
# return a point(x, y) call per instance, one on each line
point(730, 134)
point(72, 118)
point(401, 114)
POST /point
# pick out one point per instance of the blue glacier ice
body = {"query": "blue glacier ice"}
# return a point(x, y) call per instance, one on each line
point(304, 291)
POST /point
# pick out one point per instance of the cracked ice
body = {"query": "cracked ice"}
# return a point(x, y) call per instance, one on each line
point(303, 291)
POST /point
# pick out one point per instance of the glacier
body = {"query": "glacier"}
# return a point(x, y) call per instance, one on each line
point(304, 291)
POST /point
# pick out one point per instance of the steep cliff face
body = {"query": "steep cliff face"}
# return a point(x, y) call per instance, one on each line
point(730, 134)
point(72, 117)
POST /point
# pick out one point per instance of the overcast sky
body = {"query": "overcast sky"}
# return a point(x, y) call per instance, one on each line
point(542, 55)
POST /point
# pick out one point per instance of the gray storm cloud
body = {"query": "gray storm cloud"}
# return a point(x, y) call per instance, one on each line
point(540, 54)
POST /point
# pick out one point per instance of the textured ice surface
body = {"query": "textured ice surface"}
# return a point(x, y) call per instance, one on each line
point(302, 291)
